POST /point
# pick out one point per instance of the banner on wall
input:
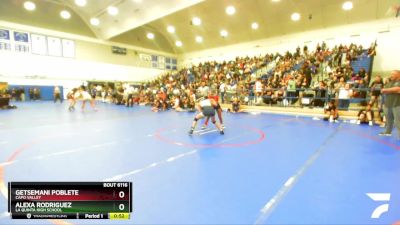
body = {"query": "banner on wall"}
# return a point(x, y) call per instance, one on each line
point(5, 40)
point(38, 44)
point(21, 41)
point(145, 57)
point(4, 34)
point(161, 62)
point(54, 46)
point(21, 37)
point(68, 48)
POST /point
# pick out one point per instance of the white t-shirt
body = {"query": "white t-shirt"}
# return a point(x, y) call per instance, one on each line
point(222, 87)
point(130, 90)
point(176, 91)
point(86, 95)
point(193, 96)
point(205, 102)
point(344, 94)
point(258, 86)
point(176, 105)
point(203, 91)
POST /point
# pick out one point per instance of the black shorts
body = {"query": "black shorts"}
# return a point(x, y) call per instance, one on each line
point(208, 111)
point(217, 107)
point(376, 93)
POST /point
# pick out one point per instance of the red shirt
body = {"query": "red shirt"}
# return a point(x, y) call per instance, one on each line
point(163, 96)
point(215, 97)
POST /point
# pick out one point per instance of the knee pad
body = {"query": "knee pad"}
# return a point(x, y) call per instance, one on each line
point(214, 121)
point(195, 119)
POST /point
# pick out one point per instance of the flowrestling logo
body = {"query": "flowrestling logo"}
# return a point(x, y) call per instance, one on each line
point(384, 198)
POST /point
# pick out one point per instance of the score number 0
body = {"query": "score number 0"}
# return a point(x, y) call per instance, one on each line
point(121, 206)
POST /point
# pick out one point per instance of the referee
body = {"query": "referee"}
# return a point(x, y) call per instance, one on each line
point(392, 104)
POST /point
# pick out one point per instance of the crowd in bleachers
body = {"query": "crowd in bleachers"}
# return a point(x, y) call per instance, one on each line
point(321, 74)
point(321, 77)
point(303, 77)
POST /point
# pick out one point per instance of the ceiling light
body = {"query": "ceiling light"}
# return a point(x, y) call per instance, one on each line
point(80, 3)
point(276, 0)
point(171, 29)
point(230, 10)
point(30, 6)
point(150, 35)
point(112, 10)
point(65, 14)
point(295, 16)
point(347, 5)
point(254, 26)
point(138, 1)
point(94, 21)
point(224, 33)
point(179, 43)
point(196, 21)
point(199, 39)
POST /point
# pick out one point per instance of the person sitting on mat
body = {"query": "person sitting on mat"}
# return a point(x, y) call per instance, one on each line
point(206, 108)
point(235, 104)
point(331, 112)
point(366, 116)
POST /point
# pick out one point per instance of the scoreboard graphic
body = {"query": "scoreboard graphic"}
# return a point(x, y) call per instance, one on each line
point(70, 200)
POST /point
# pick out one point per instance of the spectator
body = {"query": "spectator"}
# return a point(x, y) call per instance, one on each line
point(235, 104)
point(376, 87)
point(36, 93)
point(258, 90)
point(177, 104)
point(203, 89)
point(345, 93)
point(362, 92)
point(57, 94)
point(99, 89)
point(291, 89)
point(331, 112)
point(366, 116)
point(129, 93)
point(22, 94)
point(268, 95)
point(320, 95)
point(30, 93)
point(222, 91)
point(392, 104)
point(371, 50)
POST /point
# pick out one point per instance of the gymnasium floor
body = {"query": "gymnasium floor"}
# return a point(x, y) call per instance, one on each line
point(266, 169)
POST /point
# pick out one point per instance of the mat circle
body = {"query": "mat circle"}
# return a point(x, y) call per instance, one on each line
point(261, 136)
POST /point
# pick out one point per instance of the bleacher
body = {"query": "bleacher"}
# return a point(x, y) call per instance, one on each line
point(306, 111)
point(363, 62)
